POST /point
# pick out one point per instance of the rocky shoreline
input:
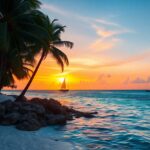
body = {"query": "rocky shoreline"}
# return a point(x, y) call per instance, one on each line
point(30, 115)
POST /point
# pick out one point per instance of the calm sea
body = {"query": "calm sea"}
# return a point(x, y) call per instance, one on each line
point(122, 123)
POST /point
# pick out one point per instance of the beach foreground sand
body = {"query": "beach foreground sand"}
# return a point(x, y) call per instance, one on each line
point(13, 139)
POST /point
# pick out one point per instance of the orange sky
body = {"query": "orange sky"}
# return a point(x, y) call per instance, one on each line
point(111, 49)
point(91, 76)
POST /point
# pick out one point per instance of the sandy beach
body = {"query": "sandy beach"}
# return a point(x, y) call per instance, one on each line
point(13, 139)
point(44, 139)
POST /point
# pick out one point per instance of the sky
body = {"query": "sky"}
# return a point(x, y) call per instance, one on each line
point(111, 45)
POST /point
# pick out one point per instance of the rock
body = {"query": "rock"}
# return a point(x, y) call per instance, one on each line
point(43, 122)
point(6, 102)
point(8, 105)
point(32, 114)
point(28, 116)
point(10, 118)
point(87, 115)
point(25, 108)
point(2, 110)
point(32, 107)
point(55, 119)
point(29, 122)
point(69, 117)
point(39, 109)
point(78, 114)
point(60, 119)
point(50, 119)
point(54, 102)
point(51, 106)
point(20, 98)
point(29, 125)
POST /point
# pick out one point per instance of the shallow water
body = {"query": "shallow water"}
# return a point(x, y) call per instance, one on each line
point(122, 123)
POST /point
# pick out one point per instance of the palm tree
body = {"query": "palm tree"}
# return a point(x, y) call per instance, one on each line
point(53, 43)
point(21, 32)
point(15, 68)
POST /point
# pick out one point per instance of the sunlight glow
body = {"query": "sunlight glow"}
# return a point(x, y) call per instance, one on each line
point(61, 79)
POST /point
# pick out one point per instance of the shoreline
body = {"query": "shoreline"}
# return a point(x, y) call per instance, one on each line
point(45, 138)
point(14, 139)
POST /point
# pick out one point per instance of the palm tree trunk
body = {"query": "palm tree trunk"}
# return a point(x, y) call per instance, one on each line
point(19, 98)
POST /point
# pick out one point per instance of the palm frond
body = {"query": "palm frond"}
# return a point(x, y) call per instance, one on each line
point(53, 21)
point(58, 60)
point(63, 43)
point(60, 57)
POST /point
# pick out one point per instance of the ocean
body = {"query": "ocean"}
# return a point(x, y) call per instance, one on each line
point(122, 122)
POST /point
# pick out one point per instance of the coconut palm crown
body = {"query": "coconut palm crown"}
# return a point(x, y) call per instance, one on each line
point(53, 44)
point(21, 37)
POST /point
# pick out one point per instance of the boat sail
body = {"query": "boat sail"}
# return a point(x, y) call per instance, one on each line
point(63, 86)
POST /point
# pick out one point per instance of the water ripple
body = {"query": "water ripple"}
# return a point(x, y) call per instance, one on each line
point(122, 122)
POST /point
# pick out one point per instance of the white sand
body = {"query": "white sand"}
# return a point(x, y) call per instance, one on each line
point(13, 139)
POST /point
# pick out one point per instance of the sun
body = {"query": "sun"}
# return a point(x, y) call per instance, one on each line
point(61, 79)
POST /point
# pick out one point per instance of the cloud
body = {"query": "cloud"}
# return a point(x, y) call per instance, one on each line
point(103, 76)
point(54, 9)
point(103, 32)
point(84, 61)
point(128, 60)
point(63, 12)
point(107, 37)
point(105, 22)
point(140, 80)
point(105, 40)
point(104, 44)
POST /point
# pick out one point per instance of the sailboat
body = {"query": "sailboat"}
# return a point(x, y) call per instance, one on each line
point(63, 86)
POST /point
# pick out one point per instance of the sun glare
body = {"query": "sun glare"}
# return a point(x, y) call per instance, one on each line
point(61, 80)
point(69, 79)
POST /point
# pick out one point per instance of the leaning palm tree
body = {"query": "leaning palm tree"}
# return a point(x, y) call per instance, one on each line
point(53, 44)
point(20, 31)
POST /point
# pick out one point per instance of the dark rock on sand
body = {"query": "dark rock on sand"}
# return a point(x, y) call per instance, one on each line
point(28, 116)
point(10, 118)
point(35, 113)
point(55, 119)
point(31, 107)
point(2, 110)
point(20, 99)
point(8, 105)
point(29, 125)
point(51, 105)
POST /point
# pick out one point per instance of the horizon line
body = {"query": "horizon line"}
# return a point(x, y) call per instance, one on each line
point(79, 90)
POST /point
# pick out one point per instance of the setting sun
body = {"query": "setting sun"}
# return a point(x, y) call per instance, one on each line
point(60, 80)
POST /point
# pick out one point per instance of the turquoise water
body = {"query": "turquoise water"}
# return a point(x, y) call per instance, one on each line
point(122, 122)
